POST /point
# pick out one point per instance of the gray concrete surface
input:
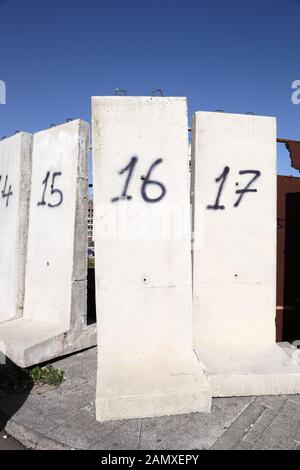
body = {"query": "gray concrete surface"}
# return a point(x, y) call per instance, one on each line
point(9, 443)
point(65, 418)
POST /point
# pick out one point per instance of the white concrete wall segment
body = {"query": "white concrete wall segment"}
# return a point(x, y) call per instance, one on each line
point(51, 238)
point(55, 306)
point(235, 228)
point(15, 178)
point(234, 259)
point(143, 259)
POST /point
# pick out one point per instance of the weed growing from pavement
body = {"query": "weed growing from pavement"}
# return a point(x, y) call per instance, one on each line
point(48, 375)
point(18, 380)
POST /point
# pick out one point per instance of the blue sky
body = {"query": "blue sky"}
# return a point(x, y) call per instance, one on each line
point(234, 55)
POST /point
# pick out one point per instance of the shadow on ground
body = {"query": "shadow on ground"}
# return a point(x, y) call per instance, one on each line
point(15, 387)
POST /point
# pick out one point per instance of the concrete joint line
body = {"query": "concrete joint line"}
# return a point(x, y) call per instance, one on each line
point(252, 425)
point(276, 413)
point(226, 431)
point(32, 439)
point(140, 434)
point(111, 432)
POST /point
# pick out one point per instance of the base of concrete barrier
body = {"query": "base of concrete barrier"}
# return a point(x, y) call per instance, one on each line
point(251, 369)
point(28, 342)
point(137, 387)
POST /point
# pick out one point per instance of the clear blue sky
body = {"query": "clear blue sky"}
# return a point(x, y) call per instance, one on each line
point(233, 55)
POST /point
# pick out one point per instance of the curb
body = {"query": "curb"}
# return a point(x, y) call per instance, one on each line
point(33, 440)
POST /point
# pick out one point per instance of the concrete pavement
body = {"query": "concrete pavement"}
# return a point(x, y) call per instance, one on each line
point(65, 418)
point(9, 443)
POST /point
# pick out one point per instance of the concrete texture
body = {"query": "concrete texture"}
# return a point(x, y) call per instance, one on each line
point(65, 418)
point(15, 179)
point(235, 269)
point(54, 321)
point(142, 229)
point(9, 443)
point(255, 369)
point(239, 261)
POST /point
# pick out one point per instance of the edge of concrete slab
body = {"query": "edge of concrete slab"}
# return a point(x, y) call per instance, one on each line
point(31, 439)
point(28, 342)
point(254, 369)
point(147, 386)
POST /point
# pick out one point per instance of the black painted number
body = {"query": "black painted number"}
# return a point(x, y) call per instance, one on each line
point(221, 179)
point(57, 193)
point(129, 168)
point(240, 192)
point(4, 193)
point(146, 183)
point(45, 183)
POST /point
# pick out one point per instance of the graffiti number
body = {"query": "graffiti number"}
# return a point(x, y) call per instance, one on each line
point(4, 193)
point(242, 192)
point(53, 190)
point(146, 182)
point(129, 168)
point(221, 179)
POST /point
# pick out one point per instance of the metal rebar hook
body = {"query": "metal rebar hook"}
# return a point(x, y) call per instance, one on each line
point(120, 92)
point(158, 90)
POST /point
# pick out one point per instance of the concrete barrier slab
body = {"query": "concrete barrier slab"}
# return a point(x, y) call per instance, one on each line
point(140, 386)
point(54, 322)
point(234, 291)
point(15, 178)
point(251, 369)
point(147, 366)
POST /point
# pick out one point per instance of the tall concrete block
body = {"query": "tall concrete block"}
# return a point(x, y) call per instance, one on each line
point(234, 268)
point(147, 366)
point(54, 322)
point(15, 177)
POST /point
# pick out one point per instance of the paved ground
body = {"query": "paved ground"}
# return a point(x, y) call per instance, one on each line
point(8, 443)
point(67, 415)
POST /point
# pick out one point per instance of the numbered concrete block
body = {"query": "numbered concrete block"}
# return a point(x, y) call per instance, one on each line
point(15, 177)
point(234, 268)
point(54, 321)
point(147, 366)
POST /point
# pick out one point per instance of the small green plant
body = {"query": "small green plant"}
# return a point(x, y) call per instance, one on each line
point(17, 380)
point(46, 375)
